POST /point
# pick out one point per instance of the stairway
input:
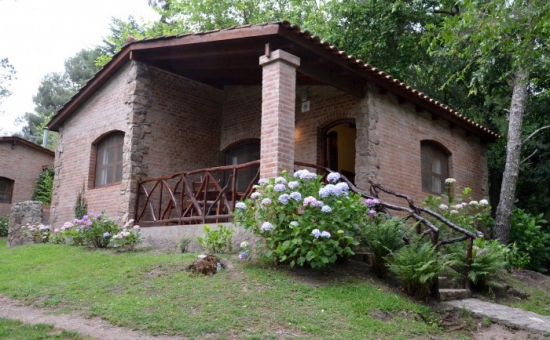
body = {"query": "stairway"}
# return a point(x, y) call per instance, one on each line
point(448, 290)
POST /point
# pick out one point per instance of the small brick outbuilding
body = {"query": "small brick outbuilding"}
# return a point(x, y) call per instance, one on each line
point(270, 92)
point(21, 162)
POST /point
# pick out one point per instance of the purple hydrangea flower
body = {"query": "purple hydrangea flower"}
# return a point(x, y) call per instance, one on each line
point(343, 186)
point(294, 224)
point(326, 209)
point(106, 234)
point(279, 187)
point(262, 181)
point(266, 226)
point(266, 201)
point(324, 192)
point(298, 173)
point(310, 201)
point(372, 202)
point(240, 205)
point(255, 195)
point(280, 180)
point(293, 184)
point(325, 234)
point(316, 233)
point(296, 196)
point(333, 177)
point(284, 198)
point(372, 212)
point(308, 175)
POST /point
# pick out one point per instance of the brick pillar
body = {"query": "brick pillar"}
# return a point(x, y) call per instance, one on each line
point(278, 111)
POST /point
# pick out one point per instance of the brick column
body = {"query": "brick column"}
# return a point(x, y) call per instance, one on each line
point(278, 111)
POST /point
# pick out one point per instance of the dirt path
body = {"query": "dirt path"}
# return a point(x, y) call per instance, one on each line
point(94, 327)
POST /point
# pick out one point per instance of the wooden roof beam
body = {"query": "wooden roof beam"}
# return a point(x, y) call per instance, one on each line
point(332, 80)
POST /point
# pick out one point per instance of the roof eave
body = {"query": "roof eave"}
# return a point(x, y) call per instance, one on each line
point(124, 55)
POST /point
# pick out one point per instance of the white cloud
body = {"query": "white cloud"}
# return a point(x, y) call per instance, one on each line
point(38, 35)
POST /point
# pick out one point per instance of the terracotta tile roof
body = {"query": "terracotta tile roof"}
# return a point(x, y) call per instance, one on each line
point(430, 102)
point(383, 78)
point(14, 140)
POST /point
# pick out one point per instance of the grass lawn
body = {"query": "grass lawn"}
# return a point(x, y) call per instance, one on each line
point(15, 330)
point(152, 292)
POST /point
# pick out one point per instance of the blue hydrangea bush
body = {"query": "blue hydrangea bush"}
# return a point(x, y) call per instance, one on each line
point(302, 221)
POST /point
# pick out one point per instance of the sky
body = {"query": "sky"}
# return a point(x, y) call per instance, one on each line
point(38, 35)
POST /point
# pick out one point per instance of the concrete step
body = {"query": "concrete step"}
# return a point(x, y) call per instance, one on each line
point(454, 294)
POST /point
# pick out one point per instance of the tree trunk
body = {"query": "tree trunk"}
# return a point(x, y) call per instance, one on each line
point(503, 221)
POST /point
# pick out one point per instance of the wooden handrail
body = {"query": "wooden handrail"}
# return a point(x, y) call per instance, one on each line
point(174, 199)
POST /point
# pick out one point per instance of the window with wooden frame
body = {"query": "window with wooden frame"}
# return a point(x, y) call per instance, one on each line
point(6, 190)
point(435, 167)
point(108, 166)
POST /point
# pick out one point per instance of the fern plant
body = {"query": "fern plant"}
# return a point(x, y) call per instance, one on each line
point(488, 257)
point(383, 239)
point(417, 266)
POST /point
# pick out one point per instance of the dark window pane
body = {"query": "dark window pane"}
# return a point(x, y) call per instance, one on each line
point(109, 160)
point(6, 190)
point(434, 168)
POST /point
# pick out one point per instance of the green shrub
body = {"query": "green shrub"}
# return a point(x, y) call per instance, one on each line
point(217, 241)
point(37, 232)
point(4, 225)
point(96, 230)
point(81, 207)
point(531, 238)
point(383, 237)
point(469, 214)
point(302, 221)
point(44, 186)
point(417, 266)
point(128, 237)
point(488, 257)
point(184, 243)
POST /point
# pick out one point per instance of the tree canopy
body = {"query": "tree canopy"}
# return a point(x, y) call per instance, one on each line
point(500, 42)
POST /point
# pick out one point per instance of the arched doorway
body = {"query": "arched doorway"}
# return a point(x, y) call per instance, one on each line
point(243, 152)
point(338, 147)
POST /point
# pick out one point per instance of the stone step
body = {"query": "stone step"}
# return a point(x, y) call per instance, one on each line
point(454, 294)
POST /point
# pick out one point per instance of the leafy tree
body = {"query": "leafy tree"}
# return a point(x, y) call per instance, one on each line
point(54, 91)
point(121, 31)
point(81, 67)
point(7, 74)
point(507, 40)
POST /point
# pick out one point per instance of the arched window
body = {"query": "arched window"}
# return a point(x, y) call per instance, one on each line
point(108, 165)
point(6, 190)
point(435, 167)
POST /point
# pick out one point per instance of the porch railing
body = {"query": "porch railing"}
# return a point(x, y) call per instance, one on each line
point(198, 196)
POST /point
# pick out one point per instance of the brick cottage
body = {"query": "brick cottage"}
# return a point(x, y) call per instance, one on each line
point(21, 162)
point(263, 95)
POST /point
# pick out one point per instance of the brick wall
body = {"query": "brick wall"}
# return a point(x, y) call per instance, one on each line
point(241, 119)
point(174, 124)
point(171, 123)
point(185, 119)
point(401, 129)
point(388, 136)
point(22, 164)
point(104, 112)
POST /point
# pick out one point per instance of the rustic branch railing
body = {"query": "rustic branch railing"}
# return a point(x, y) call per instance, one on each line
point(198, 196)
